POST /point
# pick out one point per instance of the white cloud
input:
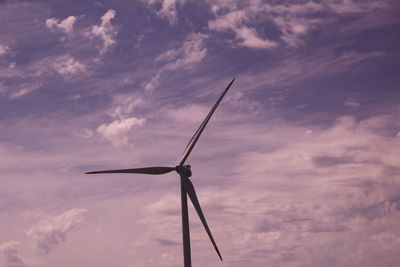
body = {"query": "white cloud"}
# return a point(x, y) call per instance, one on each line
point(65, 25)
point(49, 232)
point(168, 9)
point(10, 255)
point(105, 31)
point(116, 131)
point(67, 66)
point(4, 49)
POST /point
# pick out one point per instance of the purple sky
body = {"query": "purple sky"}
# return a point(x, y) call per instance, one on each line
point(299, 166)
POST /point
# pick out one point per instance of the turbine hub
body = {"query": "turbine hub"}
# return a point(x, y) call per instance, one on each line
point(185, 170)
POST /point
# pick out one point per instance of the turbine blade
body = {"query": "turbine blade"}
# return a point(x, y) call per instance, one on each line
point(148, 170)
point(197, 134)
point(193, 197)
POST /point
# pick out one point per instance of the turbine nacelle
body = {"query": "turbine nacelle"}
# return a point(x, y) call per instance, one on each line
point(184, 170)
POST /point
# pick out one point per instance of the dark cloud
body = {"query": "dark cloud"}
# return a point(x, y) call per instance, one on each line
point(327, 161)
point(11, 256)
point(166, 242)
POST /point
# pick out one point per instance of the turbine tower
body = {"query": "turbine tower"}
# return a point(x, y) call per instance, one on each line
point(187, 188)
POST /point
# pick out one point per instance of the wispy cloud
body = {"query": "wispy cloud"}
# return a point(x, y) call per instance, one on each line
point(250, 39)
point(247, 36)
point(293, 20)
point(24, 88)
point(351, 6)
point(294, 69)
point(293, 28)
point(351, 103)
point(124, 104)
point(19, 81)
point(192, 51)
point(49, 232)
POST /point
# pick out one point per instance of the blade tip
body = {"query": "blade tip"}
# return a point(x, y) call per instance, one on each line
point(231, 82)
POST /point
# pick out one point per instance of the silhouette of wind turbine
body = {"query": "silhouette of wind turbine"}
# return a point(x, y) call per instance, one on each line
point(186, 185)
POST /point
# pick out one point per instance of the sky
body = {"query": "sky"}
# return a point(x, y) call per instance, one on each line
point(299, 166)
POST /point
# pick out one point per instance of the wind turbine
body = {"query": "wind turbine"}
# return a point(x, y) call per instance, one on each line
point(187, 188)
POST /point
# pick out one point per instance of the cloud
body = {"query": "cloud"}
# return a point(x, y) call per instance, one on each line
point(332, 161)
point(84, 133)
point(168, 8)
point(116, 131)
point(123, 105)
point(22, 80)
point(250, 39)
point(153, 83)
point(65, 25)
point(351, 103)
point(19, 81)
point(4, 49)
point(11, 256)
point(25, 88)
point(247, 36)
point(190, 52)
point(319, 188)
point(351, 6)
point(294, 8)
point(293, 69)
point(189, 113)
point(293, 28)
point(67, 66)
point(49, 232)
point(292, 19)
point(105, 31)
